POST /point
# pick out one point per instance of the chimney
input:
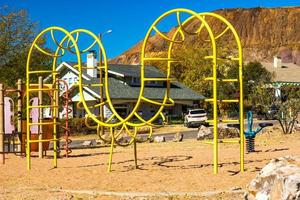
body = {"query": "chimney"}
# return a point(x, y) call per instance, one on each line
point(91, 61)
point(277, 62)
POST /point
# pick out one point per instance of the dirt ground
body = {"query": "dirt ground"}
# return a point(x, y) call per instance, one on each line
point(166, 171)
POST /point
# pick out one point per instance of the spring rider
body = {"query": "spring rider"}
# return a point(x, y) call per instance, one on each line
point(250, 133)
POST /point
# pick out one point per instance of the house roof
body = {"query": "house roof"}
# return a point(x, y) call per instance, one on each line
point(121, 90)
point(128, 70)
point(289, 73)
point(135, 70)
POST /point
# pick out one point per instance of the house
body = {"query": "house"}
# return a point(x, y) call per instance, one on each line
point(124, 87)
point(286, 74)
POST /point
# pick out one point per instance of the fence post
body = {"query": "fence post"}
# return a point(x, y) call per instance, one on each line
point(2, 124)
point(19, 110)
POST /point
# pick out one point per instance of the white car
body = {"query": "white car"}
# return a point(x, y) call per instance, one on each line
point(195, 117)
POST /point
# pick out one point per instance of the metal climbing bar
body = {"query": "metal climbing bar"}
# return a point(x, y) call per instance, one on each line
point(71, 40)
point(214, 100)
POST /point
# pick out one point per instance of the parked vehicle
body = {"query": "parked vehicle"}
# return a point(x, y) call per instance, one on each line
point(270, 114)
point(195, 117)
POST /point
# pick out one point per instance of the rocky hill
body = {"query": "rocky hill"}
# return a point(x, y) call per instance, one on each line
point(264, 32)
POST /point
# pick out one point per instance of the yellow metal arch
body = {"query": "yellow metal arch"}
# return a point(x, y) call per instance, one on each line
point(69, 43)
point(30, 90)
point(212, 39)
point(239, 79)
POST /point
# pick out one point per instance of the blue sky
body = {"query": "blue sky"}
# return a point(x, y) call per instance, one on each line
point(129, 19)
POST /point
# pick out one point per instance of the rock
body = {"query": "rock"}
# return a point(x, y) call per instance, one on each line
point(280, 179)
point(226, 132)
point(143, 130)
point(99, 141)
point(87, 143)
point(178, 137)
point(297, 127)
point(123, 140)
point(151, 139)
point(204, 133)
point(159, 139)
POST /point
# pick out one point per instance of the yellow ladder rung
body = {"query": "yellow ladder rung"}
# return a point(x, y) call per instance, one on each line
point(228, 80)
point(229, 100)
point(44, 85)
point(44, 106)
point(100, 104)
point(222, 141)
point(222, 80)
point(209, 79)
point(209, 100)
point(229, 141)
point(224, 120)
point(43, 123)
point(42, 89)
point(94, 85)
point(88, 67)
point(171, 102)
point(229, 120)
point(43, 72)
point(208, 142)
point(45, 140)
point(224, 100)
point(159, 79)
point(160, 59)
point(208, 57)
point(227, 58)
point(96, 67)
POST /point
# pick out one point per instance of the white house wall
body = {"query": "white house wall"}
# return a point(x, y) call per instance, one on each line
point(71, 78)
point(87, 97)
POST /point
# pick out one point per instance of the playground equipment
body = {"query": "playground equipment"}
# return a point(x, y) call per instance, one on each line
point(250, 133)
point(126, 125)
point(179, 36)
point(12, 140)
point(65, 114)
point(35, 122)
point(10, 137)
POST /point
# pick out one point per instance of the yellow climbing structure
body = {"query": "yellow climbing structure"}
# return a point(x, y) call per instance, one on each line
point(179, 36)
point(117, 125)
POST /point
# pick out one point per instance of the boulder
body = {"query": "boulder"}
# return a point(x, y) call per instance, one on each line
point(297, 127)
point(204, 133)
point(280, 180)
point(226, 132)
point(159, 139)
point(87, 143)
point(123, 140)
point(178, 137)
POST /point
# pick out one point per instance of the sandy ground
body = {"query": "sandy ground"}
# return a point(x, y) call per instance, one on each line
point(167, 171)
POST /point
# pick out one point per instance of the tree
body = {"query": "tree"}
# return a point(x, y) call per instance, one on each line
point(256, 77)
point(17, 32)
point(288, 108)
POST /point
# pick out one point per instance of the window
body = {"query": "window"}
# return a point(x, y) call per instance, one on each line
point(75, 79)
point(70, 81)
point(136, 80)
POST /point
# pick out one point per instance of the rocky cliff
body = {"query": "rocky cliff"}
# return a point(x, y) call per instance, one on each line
point(264, 32)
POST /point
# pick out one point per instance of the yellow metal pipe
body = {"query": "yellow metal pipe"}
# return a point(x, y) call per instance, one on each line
point(40, 127)
point(111, 149)
point(43, 140)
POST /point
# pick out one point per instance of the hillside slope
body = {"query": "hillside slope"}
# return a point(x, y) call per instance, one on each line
point(264, 32)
